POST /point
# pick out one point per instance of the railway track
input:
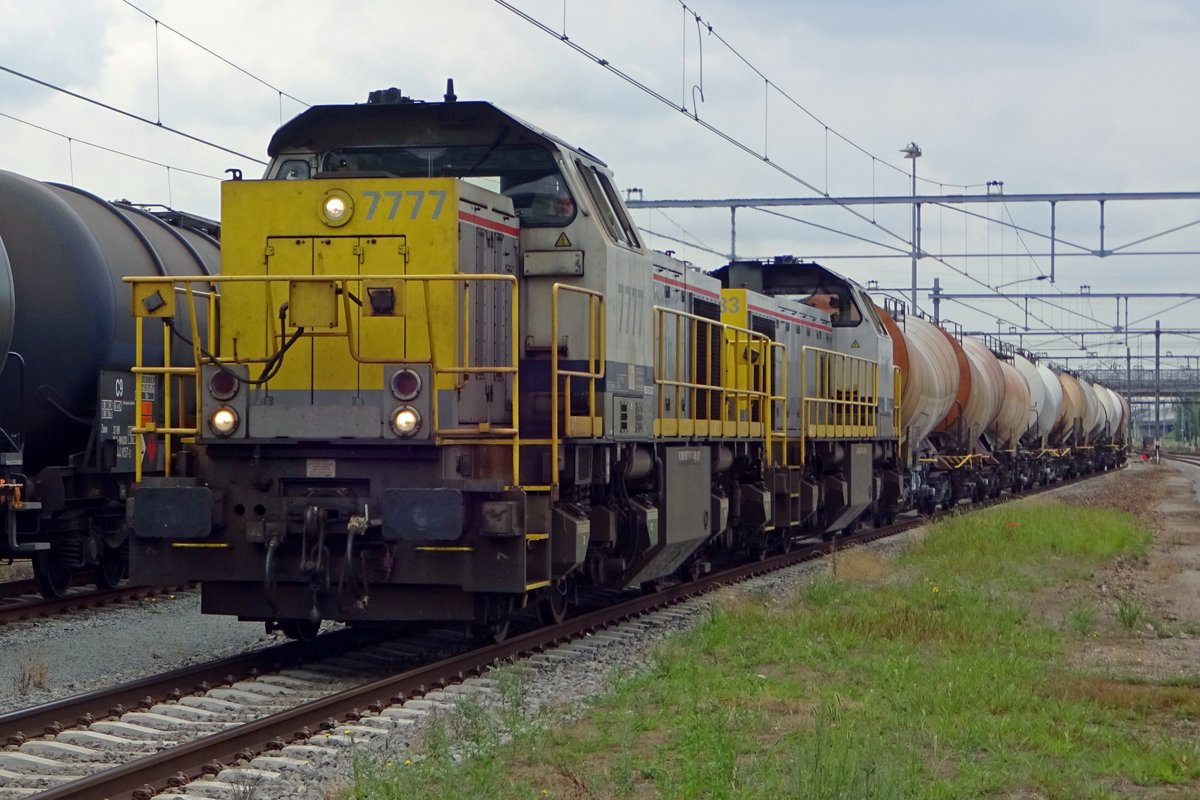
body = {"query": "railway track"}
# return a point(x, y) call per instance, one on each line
point(268, 710)
point(14, 589)
point(1194, 460)
point(17, 606)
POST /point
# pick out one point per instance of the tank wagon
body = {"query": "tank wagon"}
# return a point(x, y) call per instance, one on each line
point(450, 381)
point(67, 393)
point(980, 417)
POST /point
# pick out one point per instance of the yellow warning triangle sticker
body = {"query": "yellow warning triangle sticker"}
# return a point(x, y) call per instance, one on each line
point(563, 241)
point(855, 345)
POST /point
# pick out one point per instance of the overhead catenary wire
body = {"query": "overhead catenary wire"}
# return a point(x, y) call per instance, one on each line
point(712, 31)
point(684, 242)
point(214, 54)
point(826, 228)
point(728, 138)
point(131, 115)
point(697, 242)
point(606, 64)
point(74, 140)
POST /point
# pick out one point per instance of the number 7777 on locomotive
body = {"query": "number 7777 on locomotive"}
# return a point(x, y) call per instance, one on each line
point(444, 379)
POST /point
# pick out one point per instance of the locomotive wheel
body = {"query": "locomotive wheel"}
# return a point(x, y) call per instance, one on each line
point(302, 630)
point(111, 568)
point(552, 609)
point(53, 578)
point(498, 612)
point(788, 542)
point(492, 632)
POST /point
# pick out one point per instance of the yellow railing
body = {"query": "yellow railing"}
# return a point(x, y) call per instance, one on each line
point(844, 402)
point(746, 362)
point(729, 395)
point(590, 426)
point(155, 297)
point(777, 402)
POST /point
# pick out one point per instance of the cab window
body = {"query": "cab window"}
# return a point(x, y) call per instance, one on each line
point(614, 200)
point(294, 169)
point(544, 200)
point(848, 314)
point(607, 205)
point(873, 314)
point(843, 311)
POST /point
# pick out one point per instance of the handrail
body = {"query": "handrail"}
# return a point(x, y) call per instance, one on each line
point(777, 399)
point(596, 360)
point(441, 362)
point(829, 410)
point(733, 387)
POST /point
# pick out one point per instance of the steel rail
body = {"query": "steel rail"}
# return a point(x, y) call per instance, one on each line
point(17, 588)
point(23, 586)
point(1182, 459)
point(75, 601)
point(17, 727)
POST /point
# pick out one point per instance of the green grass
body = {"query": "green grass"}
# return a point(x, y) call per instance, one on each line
point(1130, 612)
point(1083, 620)
point(937, 681)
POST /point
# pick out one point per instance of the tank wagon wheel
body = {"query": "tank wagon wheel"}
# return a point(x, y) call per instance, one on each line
point(53, 578)
point(302, 630)
point(111, 567)
point(552, 608)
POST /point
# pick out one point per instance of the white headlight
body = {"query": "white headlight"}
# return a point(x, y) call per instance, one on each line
point(405, 421)
point(336, 208)
point(223, 420)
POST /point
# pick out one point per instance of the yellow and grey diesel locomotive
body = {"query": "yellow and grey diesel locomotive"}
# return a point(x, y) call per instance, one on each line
point(443, 379)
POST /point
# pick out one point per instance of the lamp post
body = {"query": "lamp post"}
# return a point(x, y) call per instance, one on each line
point(913, 151)
point(1000, 286)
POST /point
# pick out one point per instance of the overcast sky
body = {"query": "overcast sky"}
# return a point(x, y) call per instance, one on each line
point(1048, 97)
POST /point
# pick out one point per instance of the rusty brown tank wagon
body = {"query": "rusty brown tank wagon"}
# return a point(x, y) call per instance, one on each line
point(67, 393)
point(449, 381)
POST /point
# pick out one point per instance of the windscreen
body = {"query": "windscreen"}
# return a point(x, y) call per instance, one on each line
point(527, 174)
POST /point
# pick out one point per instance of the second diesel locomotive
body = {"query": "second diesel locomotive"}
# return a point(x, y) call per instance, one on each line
point(449, 380)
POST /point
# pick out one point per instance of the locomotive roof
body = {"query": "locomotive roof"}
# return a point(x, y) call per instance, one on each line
point(322, 128)
point(780, 276)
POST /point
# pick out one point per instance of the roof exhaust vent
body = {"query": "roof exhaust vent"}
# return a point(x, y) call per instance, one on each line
point(386, 97)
